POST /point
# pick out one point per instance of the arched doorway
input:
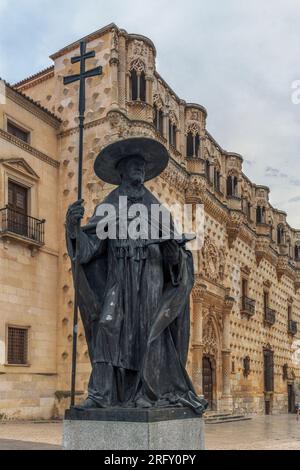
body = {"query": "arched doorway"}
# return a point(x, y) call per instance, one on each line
point(208, 383)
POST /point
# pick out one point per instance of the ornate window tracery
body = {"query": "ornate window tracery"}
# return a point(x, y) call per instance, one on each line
point(138, 81)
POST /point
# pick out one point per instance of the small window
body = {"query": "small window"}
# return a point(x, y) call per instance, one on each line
point(17, 345)
point(21, 134)
point(260, 215)
point(217, 179)
point(158, 120)
point(207, 170)
point(138, 86)
point(280, 234)
point(172, 134)
point(192, 145)
point(297, 251)
point(232, 183)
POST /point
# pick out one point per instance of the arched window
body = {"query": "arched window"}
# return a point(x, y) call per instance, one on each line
point(297, 251)
point(280, 234)
point(158, 120)
point(247, 208)
point(232, 184)
point(260, 215)
point(192, 144)
point(138, 82)
point(207, 170)
point(217, 179)
point(172, 133)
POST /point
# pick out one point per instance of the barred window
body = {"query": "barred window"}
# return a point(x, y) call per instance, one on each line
point(17, 131)
point(17, 345)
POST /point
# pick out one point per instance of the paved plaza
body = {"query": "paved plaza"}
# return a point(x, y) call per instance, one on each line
point(261, 433)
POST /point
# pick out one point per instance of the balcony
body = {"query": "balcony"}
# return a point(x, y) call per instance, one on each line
point(21, 227)
point(292, 327)
point(270, 316)
point(248, 306)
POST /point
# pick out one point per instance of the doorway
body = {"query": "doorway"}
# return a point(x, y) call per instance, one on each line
point(291, 399)
point(208, 383)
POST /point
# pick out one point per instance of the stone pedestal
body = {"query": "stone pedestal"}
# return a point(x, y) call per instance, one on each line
point(133, 429)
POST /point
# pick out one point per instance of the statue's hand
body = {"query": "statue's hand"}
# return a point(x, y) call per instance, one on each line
point(171, 252)
point(74, 214)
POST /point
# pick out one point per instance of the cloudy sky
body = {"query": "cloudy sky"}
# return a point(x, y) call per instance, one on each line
point(237, 58)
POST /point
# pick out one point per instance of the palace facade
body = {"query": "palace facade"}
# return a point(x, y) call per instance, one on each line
point(245, 306)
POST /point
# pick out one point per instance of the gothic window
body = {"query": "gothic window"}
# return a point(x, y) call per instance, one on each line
point(217, 179)
point(297, 251)
point(158, 119)
point(247, 208)
point(137, 82)
point(207, 170)
point(192, 144)
point(172, 134)
point(232, 184)
point(280, 234)
point(260, 215)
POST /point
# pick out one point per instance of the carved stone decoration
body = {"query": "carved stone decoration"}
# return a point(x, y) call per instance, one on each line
point(234, 225)
point(115, 41)
point(175, 178)
point(211, 262)
point(138, 65)
point(210, 341)
point(139, 48)
point(199, 290)
point(158, 101)
point(193, 127)
point(222, 258)
point(195, 190)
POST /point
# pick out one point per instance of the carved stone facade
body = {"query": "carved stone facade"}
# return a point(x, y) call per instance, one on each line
point(247, 262)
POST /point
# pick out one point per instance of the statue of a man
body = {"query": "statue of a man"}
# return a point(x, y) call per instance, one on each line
point(133, 292)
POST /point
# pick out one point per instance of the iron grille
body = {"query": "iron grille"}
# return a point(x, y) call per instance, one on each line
point(22, 224)
point(17, 345)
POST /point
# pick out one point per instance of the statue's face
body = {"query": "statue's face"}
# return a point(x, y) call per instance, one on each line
point(134, 170)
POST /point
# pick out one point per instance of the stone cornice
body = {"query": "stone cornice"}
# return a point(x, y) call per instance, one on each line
point(24, 146)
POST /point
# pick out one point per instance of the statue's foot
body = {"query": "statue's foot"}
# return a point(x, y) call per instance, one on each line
point(87, 404)
point(143, 403)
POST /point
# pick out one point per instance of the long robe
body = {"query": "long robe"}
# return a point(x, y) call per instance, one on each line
point(134, 307)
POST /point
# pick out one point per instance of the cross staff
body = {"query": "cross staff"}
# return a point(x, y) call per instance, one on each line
point(81, 76)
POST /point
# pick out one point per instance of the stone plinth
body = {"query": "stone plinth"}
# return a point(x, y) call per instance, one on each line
point(133, 429)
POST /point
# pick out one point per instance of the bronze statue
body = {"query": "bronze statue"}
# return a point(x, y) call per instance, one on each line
point(133, 292)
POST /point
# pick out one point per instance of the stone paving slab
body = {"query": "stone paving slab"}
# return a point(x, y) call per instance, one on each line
point(10, 444)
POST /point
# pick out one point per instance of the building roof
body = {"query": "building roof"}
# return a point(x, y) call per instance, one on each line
point(32, 102)
point(42, 73)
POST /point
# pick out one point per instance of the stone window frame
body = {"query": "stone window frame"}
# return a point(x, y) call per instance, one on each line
point(29, 182)
point(8, 118)
point(23, 327)
point(139, 67)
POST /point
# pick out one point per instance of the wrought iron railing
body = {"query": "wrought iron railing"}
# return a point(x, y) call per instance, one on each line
point(270, 316)
point(21, 224)
point(292, 327)
point(248, 305)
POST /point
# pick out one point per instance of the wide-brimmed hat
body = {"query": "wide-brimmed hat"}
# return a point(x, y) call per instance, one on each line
point(154, 154)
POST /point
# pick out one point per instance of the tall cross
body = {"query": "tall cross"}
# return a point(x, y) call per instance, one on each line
point(81, 76)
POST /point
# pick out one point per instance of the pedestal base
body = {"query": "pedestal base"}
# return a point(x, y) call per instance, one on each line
point(133, 429)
